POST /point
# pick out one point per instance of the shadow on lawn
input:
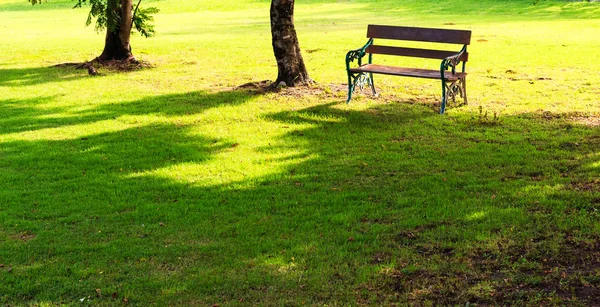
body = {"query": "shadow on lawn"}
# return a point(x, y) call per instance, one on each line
point(490, 213)
point(391, 204)
point(62, 187)
point(26, 115)
point(37, 76)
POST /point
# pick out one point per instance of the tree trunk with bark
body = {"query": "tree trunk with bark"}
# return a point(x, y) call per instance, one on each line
point(118, 32)
point(290, 65)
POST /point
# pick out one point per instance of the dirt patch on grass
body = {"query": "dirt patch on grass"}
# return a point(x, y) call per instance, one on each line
point(411, 234)
point(24, 236)
point(581, 118)
point(125, 66)
point(339, 92)
point(311, 89)
point(586, 186)
point(592, 121)
point(537, 272)
point(543, 271)
point(92, 67)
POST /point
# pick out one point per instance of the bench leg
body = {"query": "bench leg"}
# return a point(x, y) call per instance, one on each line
point(350, 88)
point(360, 79)
point(450, 89)
point(464, 89)
point(373, 85)
point(444, 97)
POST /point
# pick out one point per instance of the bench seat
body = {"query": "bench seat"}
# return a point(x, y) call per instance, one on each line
point(407, 72)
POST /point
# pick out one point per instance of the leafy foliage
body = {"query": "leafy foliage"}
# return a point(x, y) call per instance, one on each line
point(99, 11)
point(142, 19)
point(107, 18)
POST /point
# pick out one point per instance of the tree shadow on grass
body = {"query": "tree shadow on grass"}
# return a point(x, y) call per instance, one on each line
point(379, 205)
point(489, 212)
point(104, 136)
point(60, 178)
point(100, 162)
point(38, 76)
point(27, 115)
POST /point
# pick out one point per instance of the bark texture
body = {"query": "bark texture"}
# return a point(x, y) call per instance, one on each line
point(290, 65)
point(118, 33)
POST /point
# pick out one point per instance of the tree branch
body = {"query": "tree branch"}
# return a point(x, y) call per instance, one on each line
point(134, 13)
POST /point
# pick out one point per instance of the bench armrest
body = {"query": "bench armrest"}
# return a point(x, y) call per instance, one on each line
point(453, 61)
point(357, 54)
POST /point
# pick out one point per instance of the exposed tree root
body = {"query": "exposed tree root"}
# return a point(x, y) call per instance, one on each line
point(299, 83)
point(258, 87)
point(266, 86)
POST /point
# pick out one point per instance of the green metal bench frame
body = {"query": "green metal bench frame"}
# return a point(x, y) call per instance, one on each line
point(453, 82)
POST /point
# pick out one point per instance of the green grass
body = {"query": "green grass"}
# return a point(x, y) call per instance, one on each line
point(172, 186)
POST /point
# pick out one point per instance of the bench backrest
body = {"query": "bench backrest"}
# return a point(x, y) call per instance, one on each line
point(429, 35)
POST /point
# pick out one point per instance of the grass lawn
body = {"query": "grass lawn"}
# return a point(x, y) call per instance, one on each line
point(172, 185)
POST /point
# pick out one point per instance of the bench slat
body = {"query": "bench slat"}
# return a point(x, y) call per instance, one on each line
point(407, 72)
point(412, 52)
point(420, 34)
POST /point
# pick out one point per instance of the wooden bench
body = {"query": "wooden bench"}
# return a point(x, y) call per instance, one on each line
point(453, 81)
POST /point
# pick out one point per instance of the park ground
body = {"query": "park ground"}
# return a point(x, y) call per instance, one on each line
point(176, 185)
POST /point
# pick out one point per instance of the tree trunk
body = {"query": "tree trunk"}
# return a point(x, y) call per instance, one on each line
point(118, 32)
point(290, 65)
